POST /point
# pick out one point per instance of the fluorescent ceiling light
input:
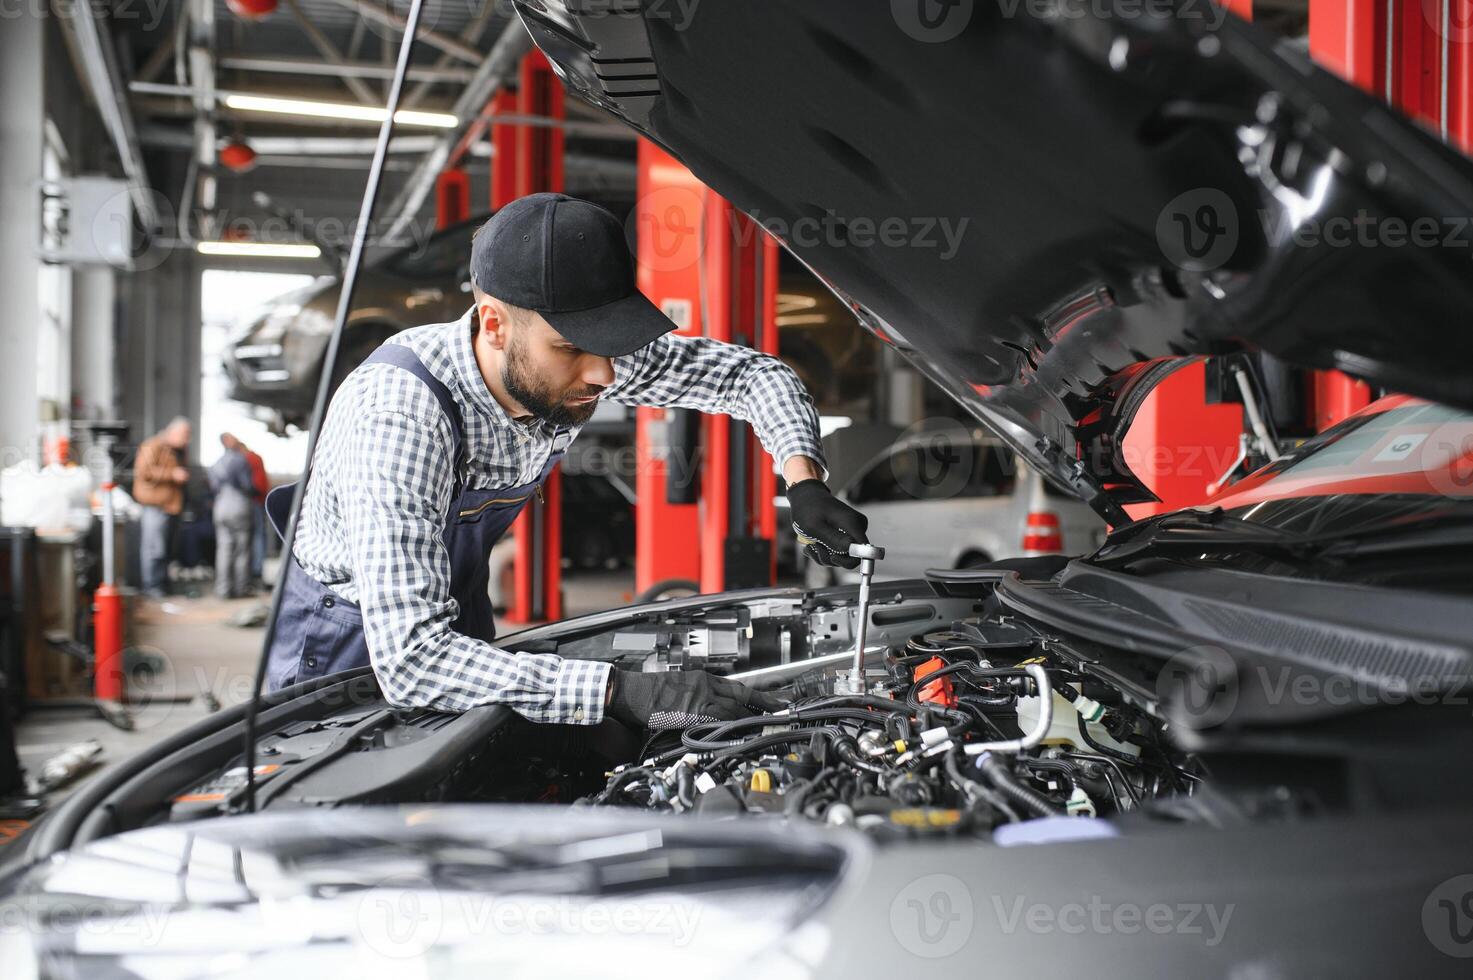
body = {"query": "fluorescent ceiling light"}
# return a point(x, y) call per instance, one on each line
point(257, 250)
point(339, 110)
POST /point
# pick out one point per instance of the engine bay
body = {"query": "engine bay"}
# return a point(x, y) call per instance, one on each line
point(970, 719)
point(961, 729)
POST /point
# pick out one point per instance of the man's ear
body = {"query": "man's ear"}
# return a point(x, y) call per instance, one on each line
point(494, 322)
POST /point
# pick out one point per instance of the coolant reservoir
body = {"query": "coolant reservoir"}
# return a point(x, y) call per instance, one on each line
point(1064, 729)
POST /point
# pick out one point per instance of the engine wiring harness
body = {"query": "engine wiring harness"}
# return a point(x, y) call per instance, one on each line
point(971, 728)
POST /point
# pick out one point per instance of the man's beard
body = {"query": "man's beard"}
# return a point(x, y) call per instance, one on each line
point(536, 398)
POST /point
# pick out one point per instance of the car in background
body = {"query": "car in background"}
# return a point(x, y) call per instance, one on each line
point(955, 498)
point(276, 358)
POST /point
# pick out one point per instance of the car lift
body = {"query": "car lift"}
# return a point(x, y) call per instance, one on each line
point(527, 157)
point(1418, 55)
point(714, 273)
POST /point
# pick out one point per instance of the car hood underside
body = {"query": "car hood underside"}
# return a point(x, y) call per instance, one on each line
point(1050, 206)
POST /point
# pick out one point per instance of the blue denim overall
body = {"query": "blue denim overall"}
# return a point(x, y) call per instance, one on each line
point(319, 632)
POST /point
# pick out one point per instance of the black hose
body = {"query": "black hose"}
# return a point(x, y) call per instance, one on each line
point(1002, 780)
point(698, 738)
point(685, 786)
point(971, 788)
point(619, 782)
point(1104, 750)
point(848, 752)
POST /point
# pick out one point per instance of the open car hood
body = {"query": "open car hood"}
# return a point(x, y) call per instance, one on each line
point(1048, 206)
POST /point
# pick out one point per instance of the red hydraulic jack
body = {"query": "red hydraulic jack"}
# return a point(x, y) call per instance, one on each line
point(107, 614)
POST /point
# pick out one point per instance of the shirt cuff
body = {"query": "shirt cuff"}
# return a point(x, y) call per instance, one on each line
point(579, 693)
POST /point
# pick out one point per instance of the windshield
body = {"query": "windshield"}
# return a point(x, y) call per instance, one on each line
point(1399, 461)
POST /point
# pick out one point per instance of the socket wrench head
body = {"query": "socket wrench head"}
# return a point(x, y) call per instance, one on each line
point(870, 551)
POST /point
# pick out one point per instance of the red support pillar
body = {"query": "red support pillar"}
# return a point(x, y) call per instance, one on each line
point(503, 150)
point(538, 153)
point(667, 217)
point(1460, 74)
point(714, 272)
point(452, 198)
point(1243, 8)
point(738, 484)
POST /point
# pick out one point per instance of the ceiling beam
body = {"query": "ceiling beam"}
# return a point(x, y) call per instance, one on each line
point(330, 51)
point(357, 69)
point(470, 35)
point(499, 65)
point(444, 42)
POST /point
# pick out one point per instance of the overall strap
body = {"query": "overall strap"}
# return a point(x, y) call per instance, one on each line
point(402, 357)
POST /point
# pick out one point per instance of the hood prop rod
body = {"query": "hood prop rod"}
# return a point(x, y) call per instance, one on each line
point(329, 362)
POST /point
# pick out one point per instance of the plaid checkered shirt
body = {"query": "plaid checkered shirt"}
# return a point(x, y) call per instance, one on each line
point(370, 528)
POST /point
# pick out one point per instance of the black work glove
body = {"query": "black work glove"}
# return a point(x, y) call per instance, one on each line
point(681, 698)
point(826, 525)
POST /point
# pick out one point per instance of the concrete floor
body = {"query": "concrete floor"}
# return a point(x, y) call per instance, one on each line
point(198, 649)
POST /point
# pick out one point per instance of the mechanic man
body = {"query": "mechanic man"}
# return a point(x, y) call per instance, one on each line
point(433, 445)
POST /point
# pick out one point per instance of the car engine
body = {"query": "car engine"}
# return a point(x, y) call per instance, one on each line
point(961, 729)
point(969, 720)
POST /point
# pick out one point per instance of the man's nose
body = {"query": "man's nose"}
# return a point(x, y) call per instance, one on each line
point(598, 371)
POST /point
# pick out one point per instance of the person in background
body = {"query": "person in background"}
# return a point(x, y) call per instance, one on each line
point(262, 484)
point(235, 501)
point(158, 485)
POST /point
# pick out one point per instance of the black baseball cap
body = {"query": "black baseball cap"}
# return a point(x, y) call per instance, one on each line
point(569, 261)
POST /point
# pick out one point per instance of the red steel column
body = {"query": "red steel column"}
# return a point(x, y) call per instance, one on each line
point(452, 198)
point(1460, 74)
point(667, 221)
point(716, 317)
point(503, 150)
point(540, 148)
point(538, 154)
point(740, 297)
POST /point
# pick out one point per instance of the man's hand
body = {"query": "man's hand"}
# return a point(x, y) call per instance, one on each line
point(826, 525)
point(681, 698)
point(180, 474)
